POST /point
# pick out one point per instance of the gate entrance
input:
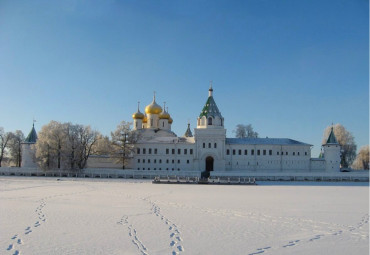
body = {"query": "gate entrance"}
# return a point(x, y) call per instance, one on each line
point(209, 163)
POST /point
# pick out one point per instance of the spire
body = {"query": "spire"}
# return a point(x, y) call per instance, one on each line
point(138, 106)
point(332, 139)
point(210, 91)
point(153, 96)
point(188, 132)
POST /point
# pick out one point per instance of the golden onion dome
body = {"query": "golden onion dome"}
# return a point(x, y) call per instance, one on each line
point(164, 114)
point(138, 114)
point(145, 119)
point(170, 120)
point(153, 108)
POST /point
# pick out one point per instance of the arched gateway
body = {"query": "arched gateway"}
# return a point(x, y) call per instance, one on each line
point(209, 163)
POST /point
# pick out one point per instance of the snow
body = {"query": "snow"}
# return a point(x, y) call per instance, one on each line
point(91, 216)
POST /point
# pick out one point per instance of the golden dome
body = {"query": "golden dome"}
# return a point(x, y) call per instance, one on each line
point(170, 120)
point(164, 114)
point(153, 108)
point(145, 119)
point(138, 114)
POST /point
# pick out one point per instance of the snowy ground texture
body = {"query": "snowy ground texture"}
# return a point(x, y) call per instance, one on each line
point(89, 216)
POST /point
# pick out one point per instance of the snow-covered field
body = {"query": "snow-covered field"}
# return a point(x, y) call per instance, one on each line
point(90, 216)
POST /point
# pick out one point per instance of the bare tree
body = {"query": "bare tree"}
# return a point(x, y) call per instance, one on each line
point(245, 131)
point(86, 140)
point(362, 158)
point(123, 140)
point(103, 146)
point(65, 145)
point(15, 147)
point(51, 140)
point(345, 140)
point(5, 138)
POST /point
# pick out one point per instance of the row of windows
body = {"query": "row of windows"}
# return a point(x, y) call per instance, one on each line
point(210, 145)
point(150, 151)
point(264, 152)
point(173, 169)
point(160, 161)
point(276, 162)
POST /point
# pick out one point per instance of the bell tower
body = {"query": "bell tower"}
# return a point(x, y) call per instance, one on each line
point(210, 136)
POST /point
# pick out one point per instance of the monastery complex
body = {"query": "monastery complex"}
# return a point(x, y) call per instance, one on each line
point(208, 148)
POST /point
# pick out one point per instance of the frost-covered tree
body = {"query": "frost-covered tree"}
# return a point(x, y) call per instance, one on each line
point(103, 146)
point(346, 142)
point(5, 138)
point(362, 158)
point(15, 147)
point(245, 131)
point(65, 145)
point(86, 140)
point(51, 140)
point(123, 140)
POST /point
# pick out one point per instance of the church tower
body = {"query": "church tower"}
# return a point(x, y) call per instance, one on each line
point(332, 153)
point(28, 151)
point(210, 136)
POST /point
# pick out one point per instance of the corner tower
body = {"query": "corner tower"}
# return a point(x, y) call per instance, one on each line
point(210, 136)
point(28, 150)
point(332, 153)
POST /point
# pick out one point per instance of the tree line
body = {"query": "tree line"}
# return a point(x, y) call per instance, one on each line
point(69, 146)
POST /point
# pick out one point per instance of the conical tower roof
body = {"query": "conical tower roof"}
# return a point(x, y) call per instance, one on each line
point(331, 139)
point(210, 109)
point(188, 132)
point(32, 136)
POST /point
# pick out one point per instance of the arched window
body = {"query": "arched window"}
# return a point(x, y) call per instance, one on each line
point(198, 122)
point(162, 124)
point(151, 122)
point(209, 121)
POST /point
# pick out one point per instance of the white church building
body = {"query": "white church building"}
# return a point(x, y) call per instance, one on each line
point(208, 149)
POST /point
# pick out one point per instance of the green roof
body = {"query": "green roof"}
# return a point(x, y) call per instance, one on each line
point(210, 109)
point(32, 136)
point(188, 132)
point(331, 138)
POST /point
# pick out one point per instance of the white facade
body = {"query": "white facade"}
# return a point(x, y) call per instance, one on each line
point(209, 149)
point(160, 149)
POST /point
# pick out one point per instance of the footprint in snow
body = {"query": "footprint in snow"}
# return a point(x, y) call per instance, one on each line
point(10, 247)
point(173, 243)
point(291, 243)
point(180, 248)
point(19, 241)
point(14, 237)
point(17, 252)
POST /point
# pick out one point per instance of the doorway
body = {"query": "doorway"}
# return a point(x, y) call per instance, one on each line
point(209, 163)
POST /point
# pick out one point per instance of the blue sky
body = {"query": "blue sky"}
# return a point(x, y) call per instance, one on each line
point(289, 68)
